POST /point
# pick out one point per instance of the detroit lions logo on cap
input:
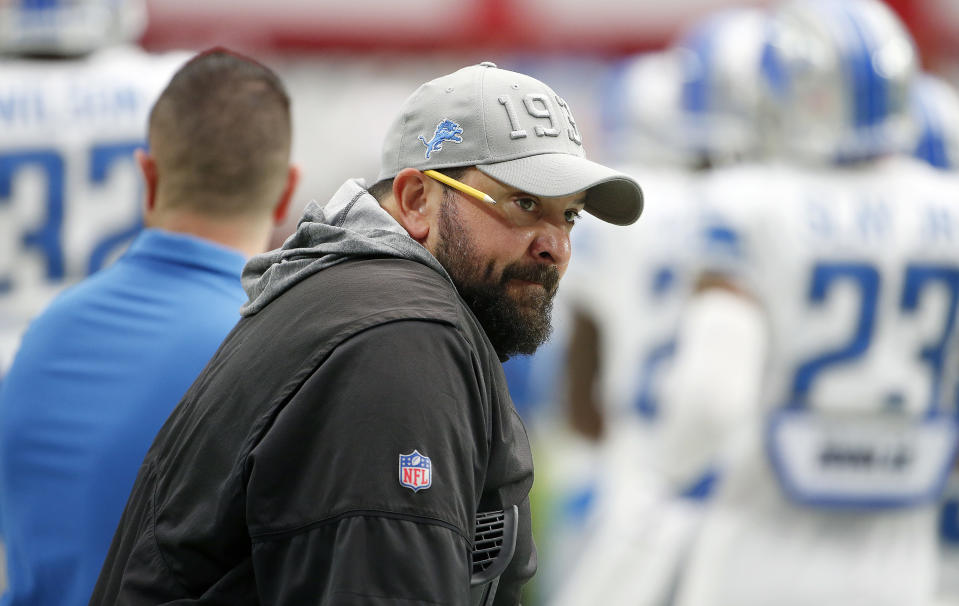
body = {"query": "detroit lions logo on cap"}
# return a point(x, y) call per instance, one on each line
point(447, 130)
point(416, 471)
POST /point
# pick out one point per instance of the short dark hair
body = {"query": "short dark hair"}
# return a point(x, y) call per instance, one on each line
point(382, 188)
point(221, 134)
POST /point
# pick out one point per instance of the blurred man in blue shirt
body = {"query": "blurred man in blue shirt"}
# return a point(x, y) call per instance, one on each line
point(99, 371)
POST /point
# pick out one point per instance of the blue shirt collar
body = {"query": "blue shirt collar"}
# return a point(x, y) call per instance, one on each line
point(183, 249)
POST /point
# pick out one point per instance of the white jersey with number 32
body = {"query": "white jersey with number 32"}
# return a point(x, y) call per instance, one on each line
point(70, 193)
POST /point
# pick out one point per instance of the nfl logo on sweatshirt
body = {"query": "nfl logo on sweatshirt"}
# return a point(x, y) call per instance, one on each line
point(415, 471)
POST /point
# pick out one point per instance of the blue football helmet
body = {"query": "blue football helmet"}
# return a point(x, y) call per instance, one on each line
point(68, 27)
point(720, 96)
point(936, 108)
point(839, 74)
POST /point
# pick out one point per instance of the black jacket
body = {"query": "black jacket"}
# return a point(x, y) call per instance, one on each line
point(277, 479)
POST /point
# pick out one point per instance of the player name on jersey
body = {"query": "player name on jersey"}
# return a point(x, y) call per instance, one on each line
point(29, 108)
point(873, 219)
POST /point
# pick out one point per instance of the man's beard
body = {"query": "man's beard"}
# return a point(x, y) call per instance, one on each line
point(514, 325)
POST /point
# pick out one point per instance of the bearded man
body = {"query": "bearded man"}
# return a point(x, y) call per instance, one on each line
point(339, 446)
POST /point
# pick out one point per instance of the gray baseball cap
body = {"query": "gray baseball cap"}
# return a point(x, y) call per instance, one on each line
point(513, 128)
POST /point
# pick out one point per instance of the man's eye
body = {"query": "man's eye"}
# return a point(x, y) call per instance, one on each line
point(572, 215)
point(527, 204)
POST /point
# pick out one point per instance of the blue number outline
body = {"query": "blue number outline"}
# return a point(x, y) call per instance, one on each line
point(645, 400)
point(47, 238)
point(867, 279)
point(104, 157)
point(917, 276)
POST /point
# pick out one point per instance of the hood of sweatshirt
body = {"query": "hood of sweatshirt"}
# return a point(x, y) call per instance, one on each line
point(352, 225)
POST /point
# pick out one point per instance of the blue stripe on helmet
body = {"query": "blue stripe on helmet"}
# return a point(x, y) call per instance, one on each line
point(932, 144)
point(774, 72)
point(869, 87)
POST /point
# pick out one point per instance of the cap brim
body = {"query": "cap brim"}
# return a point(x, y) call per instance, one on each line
point(610, 195)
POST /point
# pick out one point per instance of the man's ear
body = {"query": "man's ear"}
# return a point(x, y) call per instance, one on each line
point(283, 204)
point(412, 208)
point(148, 167)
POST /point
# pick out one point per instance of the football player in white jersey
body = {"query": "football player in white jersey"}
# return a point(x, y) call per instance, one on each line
point(676, 113)
point(74, 96)
point(836, 281)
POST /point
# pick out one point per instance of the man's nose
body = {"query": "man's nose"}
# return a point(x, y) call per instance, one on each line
point(551, 244)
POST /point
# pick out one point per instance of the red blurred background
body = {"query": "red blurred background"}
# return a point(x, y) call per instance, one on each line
point(608, 27)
